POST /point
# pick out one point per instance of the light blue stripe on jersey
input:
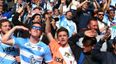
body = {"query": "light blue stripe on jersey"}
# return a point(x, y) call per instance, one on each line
point(7, 61)
point(6, 54)
point(25, 58)
point(29, 51)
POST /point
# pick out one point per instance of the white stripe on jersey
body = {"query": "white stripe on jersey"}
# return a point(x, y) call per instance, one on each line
point(9, 57)
point(27, 54)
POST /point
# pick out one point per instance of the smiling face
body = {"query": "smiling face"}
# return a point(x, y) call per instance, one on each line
point(69, 15)
point(36, 31)
point(93, 24)
point(5, 27)
point(37, 18)
point(100, 15)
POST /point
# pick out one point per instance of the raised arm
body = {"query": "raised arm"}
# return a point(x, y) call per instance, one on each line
point(48, 28)
point(61, 8)
point(81, 4)
point(96, 5)
point(15, 20)
point(6, 38)
point(97, 54)
point(106, 5)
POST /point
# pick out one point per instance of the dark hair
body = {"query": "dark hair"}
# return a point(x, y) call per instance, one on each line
point(36, 15)
point(111, 8)
point(100, 10)
point(92, 19)
point(54, 8)
point(43, 16)
point(62, 29)
point(89, 41)
point(4, 20)
point(67, 12)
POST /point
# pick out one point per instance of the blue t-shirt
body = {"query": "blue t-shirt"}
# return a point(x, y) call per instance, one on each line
point(68, 24)
point(32, 53)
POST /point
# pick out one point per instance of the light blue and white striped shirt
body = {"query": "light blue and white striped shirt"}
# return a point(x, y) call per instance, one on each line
point(7, 53)
point(32, 53)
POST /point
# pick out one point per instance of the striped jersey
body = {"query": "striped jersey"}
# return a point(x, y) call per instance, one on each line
point(32, 53)
point(7, 53)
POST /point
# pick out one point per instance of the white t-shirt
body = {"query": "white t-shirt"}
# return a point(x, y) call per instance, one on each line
point(67, 55)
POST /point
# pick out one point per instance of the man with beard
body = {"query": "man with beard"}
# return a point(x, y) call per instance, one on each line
point(101, 25)
point(66, 22)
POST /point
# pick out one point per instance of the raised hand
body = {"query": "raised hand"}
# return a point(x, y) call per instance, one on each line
point(106, 35)
point(20, 9)
point(62, 1)
point(47, 16)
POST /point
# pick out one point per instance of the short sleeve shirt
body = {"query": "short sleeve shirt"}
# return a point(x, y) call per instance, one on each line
point(32, 53)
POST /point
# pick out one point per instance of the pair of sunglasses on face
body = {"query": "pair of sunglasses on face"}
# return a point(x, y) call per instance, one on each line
point(37, 28)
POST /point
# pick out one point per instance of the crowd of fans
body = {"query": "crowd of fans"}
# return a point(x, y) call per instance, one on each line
point(57, 31)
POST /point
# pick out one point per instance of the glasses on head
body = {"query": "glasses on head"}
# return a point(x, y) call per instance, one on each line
point(37, 28)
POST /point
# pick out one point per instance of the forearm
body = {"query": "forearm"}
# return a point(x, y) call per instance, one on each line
point(96, 53)
point(6, 37)
point(104, 7)
point(99, 45)
point(61, 9)
point(96, 5)
point(48, 27)
point(15, 20)
point(108, 4)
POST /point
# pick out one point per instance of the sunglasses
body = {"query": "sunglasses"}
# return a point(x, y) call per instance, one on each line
point(37, 28)
point(100, 14)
